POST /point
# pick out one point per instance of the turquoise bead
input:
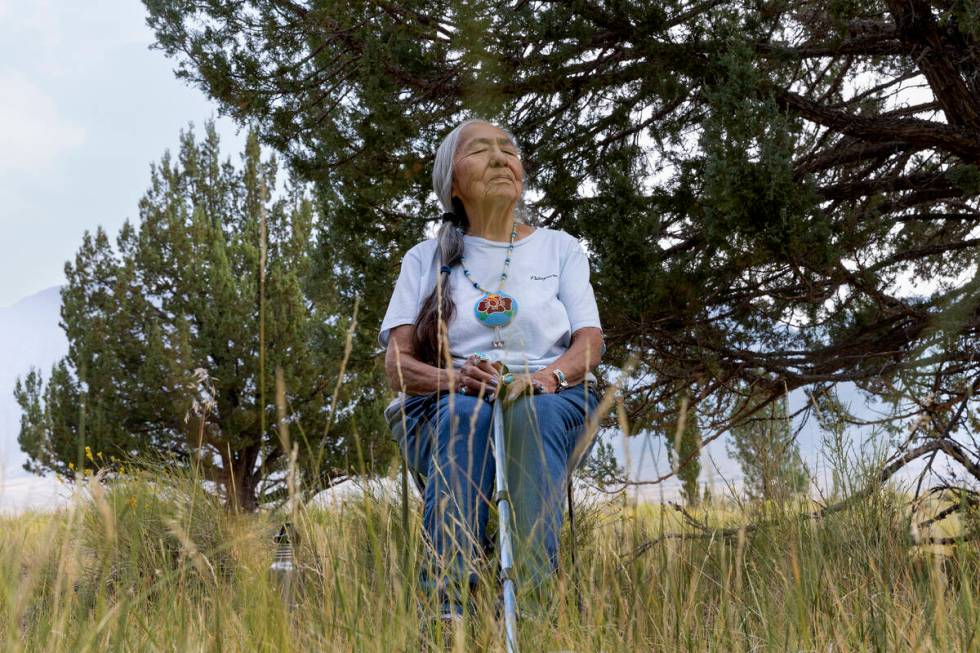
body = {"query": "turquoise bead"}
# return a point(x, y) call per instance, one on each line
point(498, 318)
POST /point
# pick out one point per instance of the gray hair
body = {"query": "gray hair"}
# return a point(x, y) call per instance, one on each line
point(439, 308)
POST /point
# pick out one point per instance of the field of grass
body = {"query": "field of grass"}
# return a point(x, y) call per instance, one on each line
point(158, 565)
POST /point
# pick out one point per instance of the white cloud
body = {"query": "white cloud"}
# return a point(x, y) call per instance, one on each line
point(33, 131)
point(36, 20)
point(59, 42)
point(33, 30)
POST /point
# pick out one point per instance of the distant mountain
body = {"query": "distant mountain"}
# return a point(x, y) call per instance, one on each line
point(29, 335)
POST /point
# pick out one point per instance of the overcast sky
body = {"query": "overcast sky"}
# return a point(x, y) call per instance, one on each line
point(85, 107)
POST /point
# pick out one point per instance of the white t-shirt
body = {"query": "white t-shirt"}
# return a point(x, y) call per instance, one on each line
point(548, 277)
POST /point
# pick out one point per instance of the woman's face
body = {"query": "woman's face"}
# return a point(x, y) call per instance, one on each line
point(487, 168)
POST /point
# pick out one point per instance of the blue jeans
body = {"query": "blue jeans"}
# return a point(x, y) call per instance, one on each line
point(447, 439)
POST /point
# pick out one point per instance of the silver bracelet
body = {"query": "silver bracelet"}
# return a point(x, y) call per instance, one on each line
point(562, 379)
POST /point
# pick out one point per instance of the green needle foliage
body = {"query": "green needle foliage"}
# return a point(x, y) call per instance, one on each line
point(175, 336)
point(751, 191)
point(683, 437)
point(765, 447)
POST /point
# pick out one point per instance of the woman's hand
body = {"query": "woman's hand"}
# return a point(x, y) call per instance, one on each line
point(537, 383)
point(479, 373)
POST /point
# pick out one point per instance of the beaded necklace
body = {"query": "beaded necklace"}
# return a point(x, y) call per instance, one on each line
point(495, 309)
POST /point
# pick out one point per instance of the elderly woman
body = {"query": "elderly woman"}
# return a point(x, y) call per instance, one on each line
point(489, 294)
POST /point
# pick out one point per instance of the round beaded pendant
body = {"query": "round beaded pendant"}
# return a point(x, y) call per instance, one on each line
point(495, 309)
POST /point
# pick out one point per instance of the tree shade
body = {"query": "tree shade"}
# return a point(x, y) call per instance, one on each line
point(762, 211)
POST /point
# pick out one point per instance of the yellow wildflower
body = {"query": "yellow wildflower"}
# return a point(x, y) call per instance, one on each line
point(71, 466)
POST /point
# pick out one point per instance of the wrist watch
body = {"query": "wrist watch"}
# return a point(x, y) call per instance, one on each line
point(562, 381)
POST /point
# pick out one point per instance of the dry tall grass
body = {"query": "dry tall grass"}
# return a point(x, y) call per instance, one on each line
point(158, 565)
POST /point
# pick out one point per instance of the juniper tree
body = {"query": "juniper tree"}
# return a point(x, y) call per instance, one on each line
point(176, 333)
point(765, 447)
point(683, 437)
point(601, 468)
point(758, 184)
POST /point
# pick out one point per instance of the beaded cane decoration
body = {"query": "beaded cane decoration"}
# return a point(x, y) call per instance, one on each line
point(495, 309)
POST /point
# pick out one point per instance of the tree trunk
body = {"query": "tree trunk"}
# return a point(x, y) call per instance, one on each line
point(241, 495)
point(245, 499)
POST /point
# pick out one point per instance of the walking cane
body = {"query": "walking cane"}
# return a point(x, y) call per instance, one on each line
point(502, 499)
